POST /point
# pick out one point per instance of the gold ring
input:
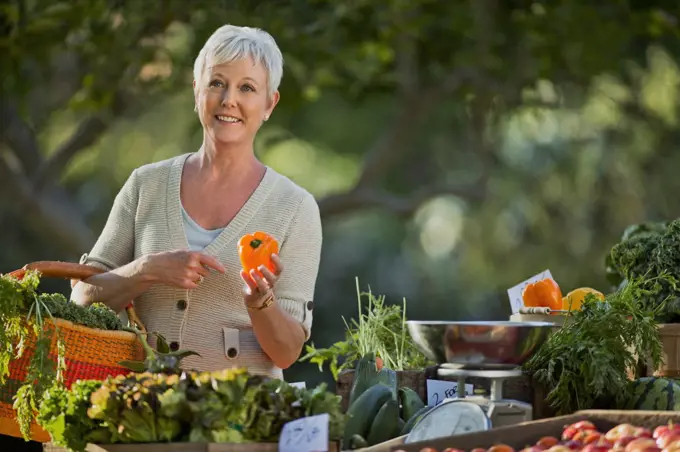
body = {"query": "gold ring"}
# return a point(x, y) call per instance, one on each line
point(200, 279)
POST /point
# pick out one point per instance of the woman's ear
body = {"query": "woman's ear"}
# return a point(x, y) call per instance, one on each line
point(195, 96)
point(272, 104)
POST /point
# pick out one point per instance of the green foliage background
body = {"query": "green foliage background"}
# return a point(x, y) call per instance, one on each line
point(456, 148)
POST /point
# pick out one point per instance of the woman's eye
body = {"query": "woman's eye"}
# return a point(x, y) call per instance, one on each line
point(247, 88)
point(215, 83)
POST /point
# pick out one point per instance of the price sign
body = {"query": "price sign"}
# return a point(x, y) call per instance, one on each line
point(515, 293)
point(439, 390)
point(308, 434)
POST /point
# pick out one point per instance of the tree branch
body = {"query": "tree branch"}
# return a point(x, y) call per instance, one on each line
point(393, 144)
point(17, 134)
point(86, 134)
point(49, 215)
point(402, 206)
point(387, 151)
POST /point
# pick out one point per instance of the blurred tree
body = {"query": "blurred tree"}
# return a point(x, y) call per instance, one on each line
point(475, 61)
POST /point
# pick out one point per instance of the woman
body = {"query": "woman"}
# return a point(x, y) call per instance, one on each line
point(170, 242)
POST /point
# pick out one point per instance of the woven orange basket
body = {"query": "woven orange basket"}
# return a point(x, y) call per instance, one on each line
point(90, 354)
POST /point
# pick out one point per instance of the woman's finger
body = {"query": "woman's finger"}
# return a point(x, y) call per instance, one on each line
point(201, 271)
point(278, 265)
point(262, 285)
point(268, 275)
point(250, 283)
point(187, 284)
point(210, 262)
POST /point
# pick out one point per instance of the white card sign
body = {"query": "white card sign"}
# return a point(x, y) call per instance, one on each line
point(439, 390)
point(307, 434)
point(515, 293)
point(299, 384)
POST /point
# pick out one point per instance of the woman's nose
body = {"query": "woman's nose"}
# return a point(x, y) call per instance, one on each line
point(229, 97)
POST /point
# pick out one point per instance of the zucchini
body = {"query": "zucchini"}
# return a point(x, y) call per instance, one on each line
point(357, 442)
point(388, 377)
point(365, 375)
point(414, 420)
point(410, 403)
point(385, 426)
point(362, 412)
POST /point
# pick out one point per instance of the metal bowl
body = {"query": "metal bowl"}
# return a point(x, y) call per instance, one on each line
point(479, 345)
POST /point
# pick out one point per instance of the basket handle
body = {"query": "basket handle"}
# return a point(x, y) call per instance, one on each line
point(74, 272)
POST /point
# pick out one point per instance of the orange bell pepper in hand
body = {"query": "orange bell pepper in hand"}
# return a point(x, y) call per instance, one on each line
point(257, 249)
point(545, 294)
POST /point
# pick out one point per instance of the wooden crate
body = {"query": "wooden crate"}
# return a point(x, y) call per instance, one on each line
point(670, 339)
point(184, 447)
point(520, 435)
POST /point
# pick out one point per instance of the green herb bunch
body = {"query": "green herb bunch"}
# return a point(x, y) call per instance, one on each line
point(380, 329)
point(586, 363)
point(24, 322)
point(647, 251)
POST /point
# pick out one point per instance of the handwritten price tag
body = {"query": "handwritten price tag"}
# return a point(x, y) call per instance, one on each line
point(515, 293)
point(439, 390)
point(308, 434)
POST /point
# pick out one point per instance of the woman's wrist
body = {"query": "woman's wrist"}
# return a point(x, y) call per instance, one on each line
point(262, 303)
point(144, 270)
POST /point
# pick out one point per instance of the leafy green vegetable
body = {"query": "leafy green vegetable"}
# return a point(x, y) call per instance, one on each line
point(63, 413)
point(380, 329)
point(226, 406)
point(647, 251)
point(25, 318)
point(161, 360)
point(585, 363)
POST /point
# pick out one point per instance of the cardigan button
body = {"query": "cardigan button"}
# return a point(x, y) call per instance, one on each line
point(83, 258)
point(310, 305)
point(182, 305)
point(174, 346)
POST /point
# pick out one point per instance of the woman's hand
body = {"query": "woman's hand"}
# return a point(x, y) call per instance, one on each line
point(181, 268)
point(260, 284)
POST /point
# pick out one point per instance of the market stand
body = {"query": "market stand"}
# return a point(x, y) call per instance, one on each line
point(492, 352)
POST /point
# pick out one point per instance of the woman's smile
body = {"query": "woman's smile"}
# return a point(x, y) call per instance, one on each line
point(228, 120)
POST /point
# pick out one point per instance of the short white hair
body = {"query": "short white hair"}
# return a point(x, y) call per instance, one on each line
point(230, 43)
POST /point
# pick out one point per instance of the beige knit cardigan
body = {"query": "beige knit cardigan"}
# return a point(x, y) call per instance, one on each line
point(212, 319)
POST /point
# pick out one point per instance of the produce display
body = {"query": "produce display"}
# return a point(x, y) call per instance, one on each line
point(583, 436)
point(25, 315)
point(381, 329)
point(229, 406)
point(587, 362)
point(546, 293)
point(378, 409)
point(651, 252)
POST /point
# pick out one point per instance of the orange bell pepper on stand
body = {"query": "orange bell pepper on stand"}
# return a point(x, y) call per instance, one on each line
point(545, 293)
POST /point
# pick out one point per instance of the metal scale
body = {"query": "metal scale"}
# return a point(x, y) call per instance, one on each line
point(469, 413)
point(500, 411)
point(493, 352)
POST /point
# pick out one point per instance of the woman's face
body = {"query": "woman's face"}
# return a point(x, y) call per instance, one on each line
point(233, 101)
